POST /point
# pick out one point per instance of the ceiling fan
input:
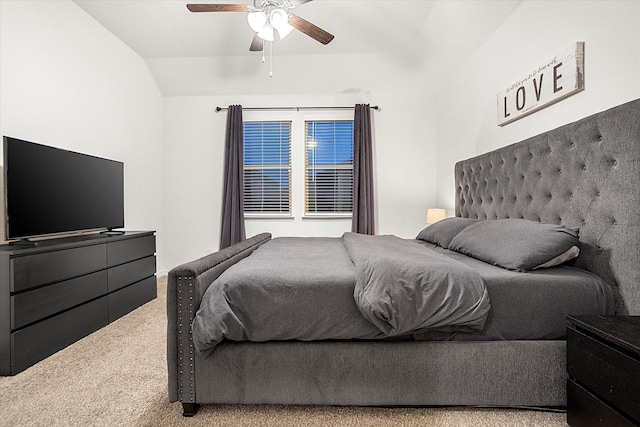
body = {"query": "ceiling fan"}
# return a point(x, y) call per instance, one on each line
point(265, 16)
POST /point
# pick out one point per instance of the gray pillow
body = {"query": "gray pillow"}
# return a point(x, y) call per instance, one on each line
point(442, 232)
point(514, 244)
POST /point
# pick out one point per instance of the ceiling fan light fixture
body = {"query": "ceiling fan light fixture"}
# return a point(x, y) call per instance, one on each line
point(278, 17)
point(266, 33)
point(284, 30)
point(257, 20)
point(264, 17)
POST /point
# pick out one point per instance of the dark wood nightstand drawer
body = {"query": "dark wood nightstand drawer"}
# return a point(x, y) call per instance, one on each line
point(588, 410)
point(608, 372)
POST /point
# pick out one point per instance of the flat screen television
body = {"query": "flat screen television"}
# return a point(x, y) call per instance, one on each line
point(49, 191)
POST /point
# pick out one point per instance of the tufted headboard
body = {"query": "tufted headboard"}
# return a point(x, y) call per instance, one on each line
point(583, 175)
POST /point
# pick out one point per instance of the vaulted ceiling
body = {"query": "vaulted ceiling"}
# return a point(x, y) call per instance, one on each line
point(191, 53)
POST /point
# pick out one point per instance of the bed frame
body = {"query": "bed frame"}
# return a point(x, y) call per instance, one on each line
point(585, 174)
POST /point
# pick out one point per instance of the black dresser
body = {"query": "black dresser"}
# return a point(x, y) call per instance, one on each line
point(57, 291)
point(603, 365)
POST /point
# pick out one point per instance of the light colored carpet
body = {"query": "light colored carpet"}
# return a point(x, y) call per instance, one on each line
point(117, 377)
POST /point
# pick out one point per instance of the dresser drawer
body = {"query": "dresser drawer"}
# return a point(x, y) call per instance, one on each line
point(37, 304)
point(42, 339)
point(130, 249)
point(127, 299)
point(132, 272)
point(608, 372)
point(48, 267)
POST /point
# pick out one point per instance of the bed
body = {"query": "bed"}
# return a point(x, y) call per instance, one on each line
point(582, 178)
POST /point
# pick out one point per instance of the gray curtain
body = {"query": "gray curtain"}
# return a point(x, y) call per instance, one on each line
point(363, 206)
point(232, 230)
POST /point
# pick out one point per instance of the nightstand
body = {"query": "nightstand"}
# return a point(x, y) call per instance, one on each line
point(603, 366)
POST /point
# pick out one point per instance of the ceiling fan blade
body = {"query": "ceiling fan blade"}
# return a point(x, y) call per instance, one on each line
point(217, 8)
point(310, 29)
point(257, 44)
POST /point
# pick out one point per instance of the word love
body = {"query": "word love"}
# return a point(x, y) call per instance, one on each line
point(556, 79)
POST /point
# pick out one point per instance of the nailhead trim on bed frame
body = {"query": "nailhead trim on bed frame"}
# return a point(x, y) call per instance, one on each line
point(186, 369)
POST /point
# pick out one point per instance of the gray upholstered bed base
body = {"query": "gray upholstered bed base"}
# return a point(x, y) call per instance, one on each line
point(583, 174)
point(508, 373)
point(385, 373)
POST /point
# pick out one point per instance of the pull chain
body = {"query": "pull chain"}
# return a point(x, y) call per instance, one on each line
point(270, 59)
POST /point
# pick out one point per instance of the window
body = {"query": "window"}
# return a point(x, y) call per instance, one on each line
point(329, 167)
point(267, 167)
point(298, 166)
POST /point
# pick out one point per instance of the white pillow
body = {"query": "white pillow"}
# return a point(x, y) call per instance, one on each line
point(572, 253)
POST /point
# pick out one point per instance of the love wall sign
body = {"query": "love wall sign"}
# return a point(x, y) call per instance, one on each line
point(552, 81)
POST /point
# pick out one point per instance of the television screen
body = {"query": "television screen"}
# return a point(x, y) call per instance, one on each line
point(48, 191)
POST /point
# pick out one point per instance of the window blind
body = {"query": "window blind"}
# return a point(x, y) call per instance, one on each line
point(329, 167)
point(267, 167)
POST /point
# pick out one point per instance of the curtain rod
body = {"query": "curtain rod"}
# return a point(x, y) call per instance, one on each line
point(218, 109)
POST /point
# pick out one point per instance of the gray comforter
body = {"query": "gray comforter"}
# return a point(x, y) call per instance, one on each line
point(402, 288)
point(354, 287)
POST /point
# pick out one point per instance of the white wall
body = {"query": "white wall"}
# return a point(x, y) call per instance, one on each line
point(534, 33)
point(404, 148)
point(67, 82)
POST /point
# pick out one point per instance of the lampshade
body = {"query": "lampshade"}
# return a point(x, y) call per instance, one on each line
point(279, 19)
point(284, 30)
point(435, 215)
point(257, 20)
point(266, 33)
